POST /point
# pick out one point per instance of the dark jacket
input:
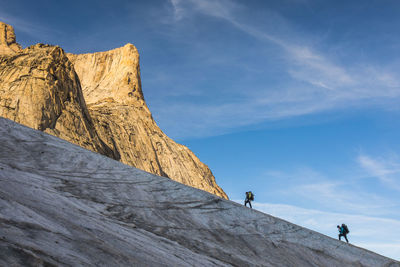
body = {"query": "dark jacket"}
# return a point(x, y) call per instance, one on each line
point(249, 195)
point(342, 231)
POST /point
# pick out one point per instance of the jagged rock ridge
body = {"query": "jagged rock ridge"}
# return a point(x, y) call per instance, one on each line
point(61, 205)
point(40, 87)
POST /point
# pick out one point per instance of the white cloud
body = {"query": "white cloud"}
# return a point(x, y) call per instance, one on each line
point(306, 64)
point(178, 10)
point(321, 83)
point(339, 194)
point(343, 196)
point(387, 170)
point(377, 234)
point(216, 8)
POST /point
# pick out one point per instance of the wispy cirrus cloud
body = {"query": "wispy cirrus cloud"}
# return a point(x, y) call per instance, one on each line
point(318, 81)
point(341, 195)
point(329, 192)
point(28, 27)
point(220, 8)
point(386, 169)
point(306, 63)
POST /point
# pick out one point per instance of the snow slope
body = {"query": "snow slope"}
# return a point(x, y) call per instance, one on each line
point(63, 205)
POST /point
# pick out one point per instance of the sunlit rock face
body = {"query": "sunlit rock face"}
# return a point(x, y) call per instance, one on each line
point(113, 92)
point(62, 205)
point(41, 87)
point(8, 43)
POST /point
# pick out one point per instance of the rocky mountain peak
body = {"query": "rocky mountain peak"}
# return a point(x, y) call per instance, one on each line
point(111, 76)
point(8, 43)
point(93, 100)
point(112, 89)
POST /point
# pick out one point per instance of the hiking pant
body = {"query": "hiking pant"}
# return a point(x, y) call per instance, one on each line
point(345, 237)
point(248, 201)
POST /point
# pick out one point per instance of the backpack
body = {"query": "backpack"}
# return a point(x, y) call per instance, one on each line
point(250, 195)
point(346, 229)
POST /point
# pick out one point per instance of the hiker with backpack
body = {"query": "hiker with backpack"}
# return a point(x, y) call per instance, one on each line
point(249, 197)
point(343, 231)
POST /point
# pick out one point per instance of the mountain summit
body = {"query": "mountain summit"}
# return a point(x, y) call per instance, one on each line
point(95, 101)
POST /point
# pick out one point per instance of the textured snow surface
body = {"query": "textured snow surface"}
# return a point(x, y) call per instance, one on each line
point(63, 205)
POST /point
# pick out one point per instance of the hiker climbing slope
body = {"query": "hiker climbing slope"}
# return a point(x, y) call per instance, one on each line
point(249, 198)
point(343, 231)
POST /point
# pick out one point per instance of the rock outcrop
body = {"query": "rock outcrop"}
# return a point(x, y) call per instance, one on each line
point(113, 92)
point(8, 43)
point(41, 87)
point(61, 205)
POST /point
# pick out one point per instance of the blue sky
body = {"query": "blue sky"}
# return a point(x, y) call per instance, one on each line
point(296, 100)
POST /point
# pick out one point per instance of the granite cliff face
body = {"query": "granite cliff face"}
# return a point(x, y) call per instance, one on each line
point(113, 92)
point(95, 101)
point(39, 88)
point(8, 43)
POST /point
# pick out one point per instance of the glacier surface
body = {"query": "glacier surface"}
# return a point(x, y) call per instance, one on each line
point(63, 205)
